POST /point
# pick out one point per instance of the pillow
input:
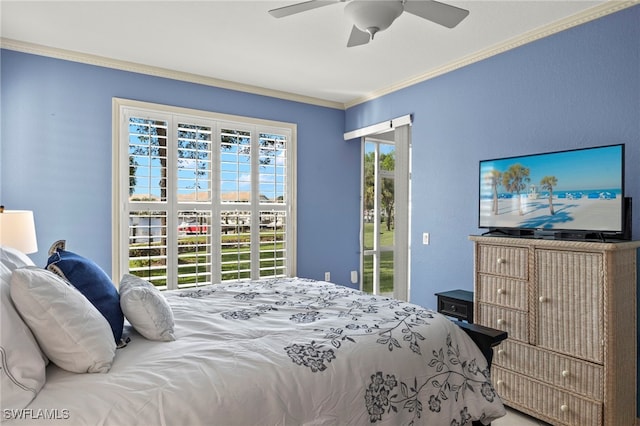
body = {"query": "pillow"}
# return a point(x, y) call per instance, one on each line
point(23, 364)
point(13, 259)
point(58, 245)
point(93, 282)
point(146, 308)
point(69, 329)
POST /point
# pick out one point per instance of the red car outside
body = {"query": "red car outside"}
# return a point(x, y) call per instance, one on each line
point(193, 228)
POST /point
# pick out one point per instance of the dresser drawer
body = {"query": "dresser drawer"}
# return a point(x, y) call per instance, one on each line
point(582, 377)
point(502, 260)
point(502, 291)
point(545, 402)
point(512, 321)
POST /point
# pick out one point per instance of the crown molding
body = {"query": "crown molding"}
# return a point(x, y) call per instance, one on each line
point(588, 15)
point(101, 61)
point(611, 6)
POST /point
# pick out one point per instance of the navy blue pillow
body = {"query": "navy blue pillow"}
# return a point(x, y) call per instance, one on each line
point(93, 282)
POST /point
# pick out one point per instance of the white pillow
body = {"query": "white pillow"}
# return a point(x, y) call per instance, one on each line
point(23, 363)
point(70, 330)
point(13, 259)
point(146, 308)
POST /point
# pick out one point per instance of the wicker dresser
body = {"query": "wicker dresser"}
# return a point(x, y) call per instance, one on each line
point(570, 311)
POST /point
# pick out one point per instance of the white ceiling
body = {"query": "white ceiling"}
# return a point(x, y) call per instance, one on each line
point(304, 54)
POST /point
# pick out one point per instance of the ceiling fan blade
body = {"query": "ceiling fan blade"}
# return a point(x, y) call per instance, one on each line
point(358, 37)
point(281, 12)
point(440, 13)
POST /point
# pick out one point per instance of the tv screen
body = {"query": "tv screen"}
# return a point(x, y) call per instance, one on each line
point(576, 190)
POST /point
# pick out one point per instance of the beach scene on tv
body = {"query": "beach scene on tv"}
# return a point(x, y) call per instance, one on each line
point(571, 190)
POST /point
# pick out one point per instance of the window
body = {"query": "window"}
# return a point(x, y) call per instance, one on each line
point(200, 197)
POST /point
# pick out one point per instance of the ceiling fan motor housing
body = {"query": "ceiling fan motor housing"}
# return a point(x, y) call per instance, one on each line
point(373, 16)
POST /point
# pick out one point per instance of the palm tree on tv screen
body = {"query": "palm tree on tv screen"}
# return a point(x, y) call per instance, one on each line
point(515, 179)
point(494, 178)
point(547, 183)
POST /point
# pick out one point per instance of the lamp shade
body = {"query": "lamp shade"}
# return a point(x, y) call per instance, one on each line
point(18, 230)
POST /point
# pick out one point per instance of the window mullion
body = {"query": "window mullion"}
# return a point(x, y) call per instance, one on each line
point(255, 203)
point(172, 205)
point(290, 206)
point(216, 208)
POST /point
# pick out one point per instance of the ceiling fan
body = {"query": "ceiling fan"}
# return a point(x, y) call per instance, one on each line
point(372, 16)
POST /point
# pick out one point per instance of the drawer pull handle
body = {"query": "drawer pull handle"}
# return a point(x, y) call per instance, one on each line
point(564, 408)
point(452, 308)
point(565, 373)
point(500, 321)
point(501, 261)
point(499, 383)
point(500, 291)
point(500, 351)
point(542, 299)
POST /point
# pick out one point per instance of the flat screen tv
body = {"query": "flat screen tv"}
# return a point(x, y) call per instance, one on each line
point(578, 193)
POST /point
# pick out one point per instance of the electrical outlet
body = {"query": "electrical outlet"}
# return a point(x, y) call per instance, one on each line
point(327, 276)
point(354, 277)
point(425, 238)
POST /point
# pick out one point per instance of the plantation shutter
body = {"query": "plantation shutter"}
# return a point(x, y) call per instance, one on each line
point(205, 199)
point(194, 176)
point(148, 242)
point(273, 202)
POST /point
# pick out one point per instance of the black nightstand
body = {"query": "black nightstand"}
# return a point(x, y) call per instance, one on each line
point(457, 304)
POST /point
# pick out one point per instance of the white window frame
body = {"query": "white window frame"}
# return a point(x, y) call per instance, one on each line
point(123, 108)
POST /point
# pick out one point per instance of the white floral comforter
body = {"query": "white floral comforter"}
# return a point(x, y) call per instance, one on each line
point(284, 352)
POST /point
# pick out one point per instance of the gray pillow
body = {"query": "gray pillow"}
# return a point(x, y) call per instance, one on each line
point(146, 309)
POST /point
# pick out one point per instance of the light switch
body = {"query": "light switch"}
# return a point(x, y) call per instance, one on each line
point(425, 238)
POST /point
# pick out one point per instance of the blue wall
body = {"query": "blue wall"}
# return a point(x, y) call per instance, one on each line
point(578, 88)
point(56, 156)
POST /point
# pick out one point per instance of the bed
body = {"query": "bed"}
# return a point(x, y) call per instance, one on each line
point(286, 351)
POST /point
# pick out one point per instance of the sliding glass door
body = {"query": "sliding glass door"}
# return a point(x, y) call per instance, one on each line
point(378, 217)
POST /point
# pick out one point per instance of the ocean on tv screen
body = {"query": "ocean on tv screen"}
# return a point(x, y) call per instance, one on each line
point(599, 210)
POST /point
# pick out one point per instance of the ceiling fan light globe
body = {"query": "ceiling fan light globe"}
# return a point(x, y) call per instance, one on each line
point(373, 16)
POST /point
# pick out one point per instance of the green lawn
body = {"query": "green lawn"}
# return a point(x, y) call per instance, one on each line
point(235, 259)
point(386, 260)
point(386, 237)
